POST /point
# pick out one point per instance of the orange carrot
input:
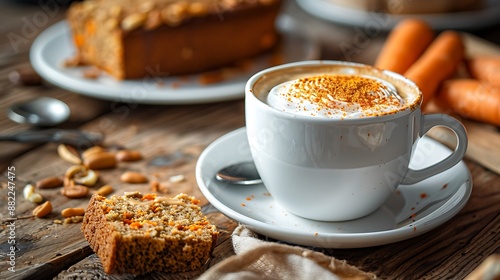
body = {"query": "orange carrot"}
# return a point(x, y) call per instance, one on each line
point(472, 99)
point(438, 63)
point(406, 42)
point(485, 68)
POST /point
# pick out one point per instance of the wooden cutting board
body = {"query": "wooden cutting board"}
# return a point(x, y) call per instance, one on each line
point(484, 139)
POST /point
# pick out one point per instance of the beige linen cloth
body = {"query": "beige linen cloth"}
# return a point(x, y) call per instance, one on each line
point(258, 259)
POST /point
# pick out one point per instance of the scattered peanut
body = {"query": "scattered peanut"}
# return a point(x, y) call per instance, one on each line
point(105, 190)
point(177, 178)
point(30, 194)
point(36, 198)
point(69, 154)
point(133, 178)
point(133, 194)
point(74, 170)
point(50, 182)
point(70, 212)
point(88, 180)
point(101, 160)
point(68, 182)
point(155, 185)
point(76, 191)
point(158, 187)
point(81, 175)
point(128, 155)
point(28, 191)
point(43, 210)
point(92, 150)
point(73, 220)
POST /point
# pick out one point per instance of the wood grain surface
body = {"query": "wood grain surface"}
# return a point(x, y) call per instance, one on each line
point(175, 136)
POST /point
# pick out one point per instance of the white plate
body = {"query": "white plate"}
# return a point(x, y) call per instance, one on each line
point(473, 19)
point(54, 45)
point(254, 207)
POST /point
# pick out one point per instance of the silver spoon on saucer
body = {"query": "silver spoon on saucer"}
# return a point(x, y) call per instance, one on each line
point(42, 111)
point(243, 173)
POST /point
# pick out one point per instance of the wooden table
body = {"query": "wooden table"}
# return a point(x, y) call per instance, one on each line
point(46, 249)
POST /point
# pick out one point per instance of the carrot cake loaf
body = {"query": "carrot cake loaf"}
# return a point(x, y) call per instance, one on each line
point(134, 39)
point(137, 233)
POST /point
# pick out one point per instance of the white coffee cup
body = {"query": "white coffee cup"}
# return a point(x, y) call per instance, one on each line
point(338, 169)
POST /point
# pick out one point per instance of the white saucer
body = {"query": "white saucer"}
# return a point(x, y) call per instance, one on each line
point(254, 207)
point(54, 45)
point(486, 16)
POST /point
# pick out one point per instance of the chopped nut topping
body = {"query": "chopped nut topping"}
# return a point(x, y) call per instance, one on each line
point(149, 14)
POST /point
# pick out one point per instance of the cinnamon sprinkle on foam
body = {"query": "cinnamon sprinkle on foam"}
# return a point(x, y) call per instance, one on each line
point(336, 96)
point(325, 90)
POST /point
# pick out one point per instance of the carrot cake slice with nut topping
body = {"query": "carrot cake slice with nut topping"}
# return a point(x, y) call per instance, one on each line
point(137, 233)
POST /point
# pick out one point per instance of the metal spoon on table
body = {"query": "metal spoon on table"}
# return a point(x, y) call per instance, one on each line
point(243, 173)
point(42, 111)
point(45, 112)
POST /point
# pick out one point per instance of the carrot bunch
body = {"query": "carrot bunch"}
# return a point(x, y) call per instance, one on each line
point(473, 99)
point(432, 61)
point(476, 97)
point(404, 45)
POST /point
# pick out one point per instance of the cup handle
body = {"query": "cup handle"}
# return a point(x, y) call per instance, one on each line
point(429, 121)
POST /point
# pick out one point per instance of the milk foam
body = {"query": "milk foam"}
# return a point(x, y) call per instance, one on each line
point(319, 96)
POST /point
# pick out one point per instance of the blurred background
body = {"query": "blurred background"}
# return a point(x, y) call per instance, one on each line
point(345, 33)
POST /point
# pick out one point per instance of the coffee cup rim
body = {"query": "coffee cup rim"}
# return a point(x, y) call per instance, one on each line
point(257, 76)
